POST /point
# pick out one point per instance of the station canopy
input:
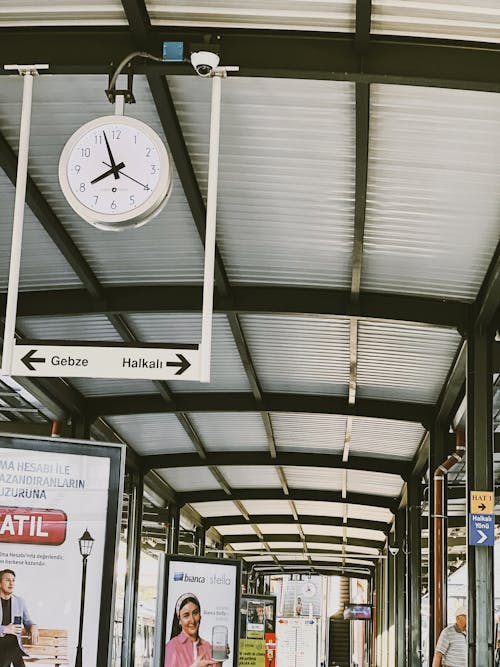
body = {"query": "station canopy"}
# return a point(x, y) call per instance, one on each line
point(357, 239)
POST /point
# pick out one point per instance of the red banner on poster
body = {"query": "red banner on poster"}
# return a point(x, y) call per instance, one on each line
point(26, 525)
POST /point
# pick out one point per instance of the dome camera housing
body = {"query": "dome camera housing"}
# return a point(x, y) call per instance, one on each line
point(204, 62)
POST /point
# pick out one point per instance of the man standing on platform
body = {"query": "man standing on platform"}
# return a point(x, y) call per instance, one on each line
point(451, 649)
point(13, 615)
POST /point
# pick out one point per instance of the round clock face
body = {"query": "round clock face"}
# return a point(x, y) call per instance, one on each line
point(309, 589)
point(115, 172)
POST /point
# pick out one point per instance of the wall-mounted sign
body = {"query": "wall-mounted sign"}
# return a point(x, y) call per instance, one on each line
point(59, 508)
point(481, 502)
point(257, 631)
point(199, 612)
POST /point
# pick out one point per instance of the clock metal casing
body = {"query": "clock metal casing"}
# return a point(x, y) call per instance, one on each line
point(142, 165)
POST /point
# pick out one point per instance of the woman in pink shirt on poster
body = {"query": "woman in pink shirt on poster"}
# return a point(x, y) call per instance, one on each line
point(186, 648)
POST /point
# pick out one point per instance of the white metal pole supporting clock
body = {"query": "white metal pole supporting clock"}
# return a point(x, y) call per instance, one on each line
point(116, 174)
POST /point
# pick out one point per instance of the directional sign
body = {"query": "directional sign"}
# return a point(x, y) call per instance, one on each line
point(481, 530)
point(149, 363)
point(481, 502)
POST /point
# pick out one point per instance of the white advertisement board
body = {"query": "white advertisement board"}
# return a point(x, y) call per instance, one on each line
point(59, 505)
point(201, 611)
point(297, 642)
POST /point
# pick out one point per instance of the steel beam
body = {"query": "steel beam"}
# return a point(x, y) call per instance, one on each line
point(266, 53)
point(306, 519)
point(283, 458)
point(292, 537)
point(256, 299)
point(215, 495)
point(245, 402)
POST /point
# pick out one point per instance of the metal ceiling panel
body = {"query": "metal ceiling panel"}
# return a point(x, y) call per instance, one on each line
point(318, 15)
point(278, 528)
point(227, 372)
point(152, 434)
point(211, 509)
point(338, 547)
point(71, 328)
point(471, 20)
point(255, 559)
point(167, 249)
point(383, 438)
point(318, 507)
point(267, 506)
point(250, 546)
point(286, 181)
point(104, 386)
point(299, 477)
point(189, 479)
point(433, 203)
point(230, 431)
point(251, 477)
point(299, 354)
point(61, 12)
point(42, 265)
point(383, 484)
point(303, 432)
point(245, 529)
point(336, 531)
point(405, 362)
point(369, 513)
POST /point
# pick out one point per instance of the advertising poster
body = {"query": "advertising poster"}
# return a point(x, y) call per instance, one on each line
point(297, 640)
point(298, 595)
point(59, 506)
point(201, 611)
point(257, 631)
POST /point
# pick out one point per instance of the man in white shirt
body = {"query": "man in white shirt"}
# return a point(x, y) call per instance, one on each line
point(451, 649)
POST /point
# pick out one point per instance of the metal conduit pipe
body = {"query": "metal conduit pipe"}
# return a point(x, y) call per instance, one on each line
point(439, 525)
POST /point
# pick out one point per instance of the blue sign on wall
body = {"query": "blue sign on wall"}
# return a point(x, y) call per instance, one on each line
point(481, 530)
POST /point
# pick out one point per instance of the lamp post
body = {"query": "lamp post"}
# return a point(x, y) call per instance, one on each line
point(86, 542)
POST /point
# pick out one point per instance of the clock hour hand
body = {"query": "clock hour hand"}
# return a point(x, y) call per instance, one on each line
point(114, 170)
point(144, 185)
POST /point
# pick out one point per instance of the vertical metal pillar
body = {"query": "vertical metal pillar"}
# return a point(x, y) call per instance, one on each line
point(479, 387)
point(400, 591)
point(134, 530)
point(437, 454)
point(174, 516)
point(392, 595)
point(201, 534)
point(385, 613)
point(80, 428)
point(414, 572)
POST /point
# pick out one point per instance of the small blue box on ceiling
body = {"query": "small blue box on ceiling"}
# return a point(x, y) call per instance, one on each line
point(173, 52)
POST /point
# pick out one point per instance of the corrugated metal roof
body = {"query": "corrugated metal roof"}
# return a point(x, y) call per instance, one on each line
point(352, 532)
point(304, 354)
point(168, 249)
point(363, 481)
point(61, 12)
point(338, 547)
point(247, 546)
point(278, 528)
point(71, 328)
point(267, 506)
point(42, 266)
point(286, 181)
point(403, 362)
point(189, 479)
point(303, 432)
point(250, 477)
point(332, 15)
point(472, 20)
point(106, 386)
point(226, 373)
point(222, 508)
point(152, 434)
point(245, 529)
point(319, 507)
point(369, 513)
point(300, 477)
point(433, 202)
point(231, 431)
point(384, 438)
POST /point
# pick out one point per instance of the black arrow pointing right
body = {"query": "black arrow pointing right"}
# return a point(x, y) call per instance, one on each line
point(183, 365)
point(28, 360)
point(482, 507)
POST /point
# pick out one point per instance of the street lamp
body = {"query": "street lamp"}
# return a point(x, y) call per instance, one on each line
point(86, 542)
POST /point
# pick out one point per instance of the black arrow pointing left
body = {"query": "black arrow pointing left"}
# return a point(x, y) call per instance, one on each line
point(28, 360)
point(183, 364)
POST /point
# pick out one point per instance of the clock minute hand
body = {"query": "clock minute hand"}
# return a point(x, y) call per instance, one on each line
point(114, 170)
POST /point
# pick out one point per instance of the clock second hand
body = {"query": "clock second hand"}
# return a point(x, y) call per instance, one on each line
point(122, 173)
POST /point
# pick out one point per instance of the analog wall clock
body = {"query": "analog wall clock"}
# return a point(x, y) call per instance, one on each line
point(115, 172)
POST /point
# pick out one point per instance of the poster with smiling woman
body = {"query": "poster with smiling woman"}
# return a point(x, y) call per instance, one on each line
point(201, 601)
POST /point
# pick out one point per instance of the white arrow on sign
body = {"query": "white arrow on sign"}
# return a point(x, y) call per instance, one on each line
point(148, 363)
point(482, 538)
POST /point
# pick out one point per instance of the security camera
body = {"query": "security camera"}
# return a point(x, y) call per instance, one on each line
point(394, 550)
point(204, 62)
